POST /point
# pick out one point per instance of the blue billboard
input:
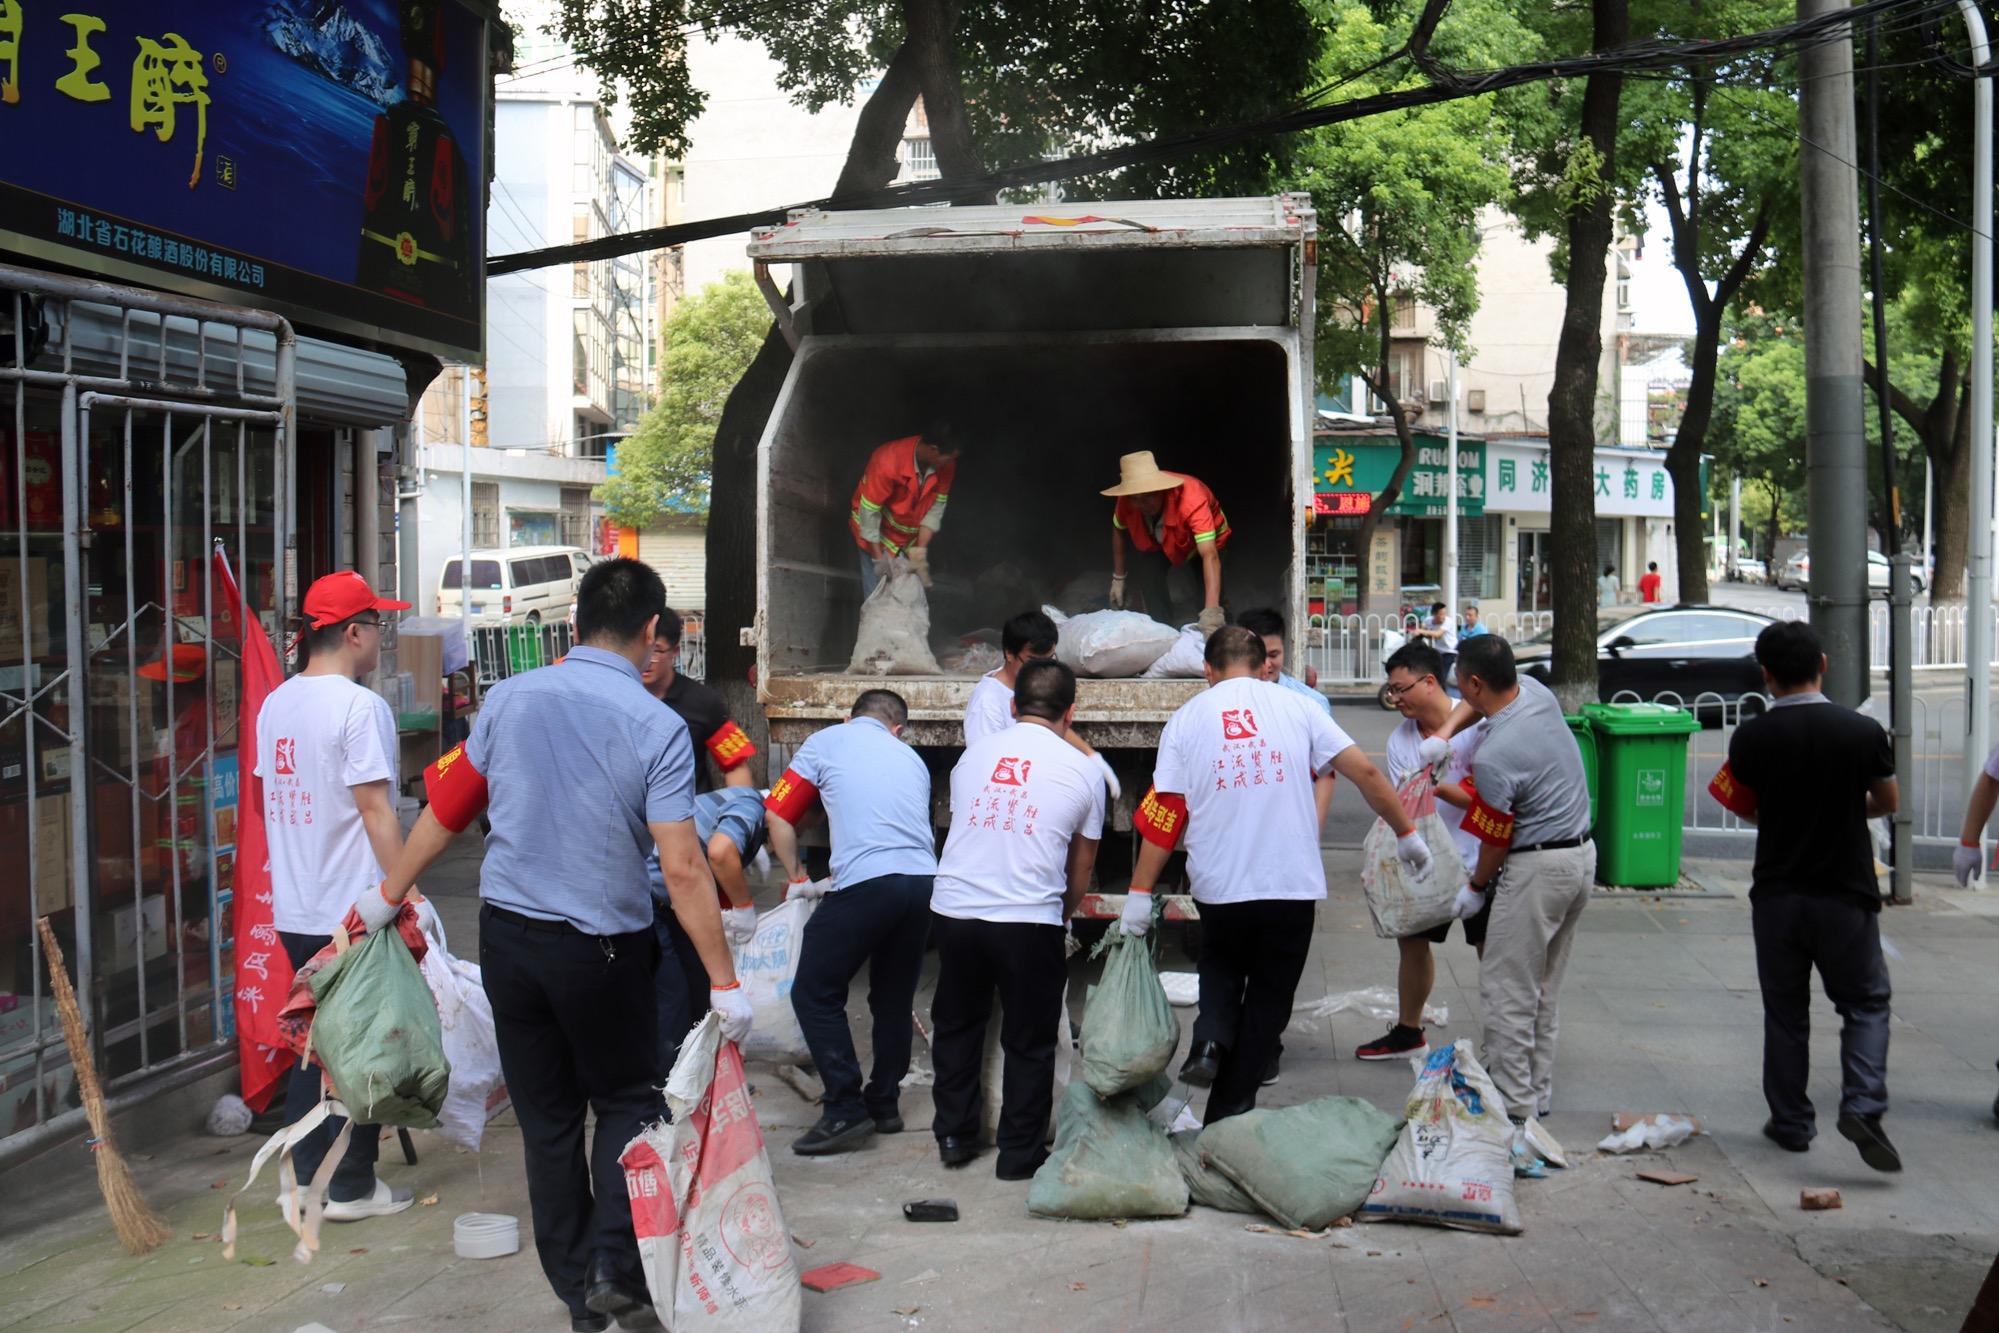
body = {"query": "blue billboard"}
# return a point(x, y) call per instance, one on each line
point(325, 159)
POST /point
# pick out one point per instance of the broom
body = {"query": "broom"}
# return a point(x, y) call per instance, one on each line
point(138, 1229)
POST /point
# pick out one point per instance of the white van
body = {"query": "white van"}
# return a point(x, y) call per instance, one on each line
point(523, 584)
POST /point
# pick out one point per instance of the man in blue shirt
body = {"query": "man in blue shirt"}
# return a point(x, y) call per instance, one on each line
point(1268, 625)
point(876, 791)
point(581, 771)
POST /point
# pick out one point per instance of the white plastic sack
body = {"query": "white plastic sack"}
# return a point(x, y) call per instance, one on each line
point(894, 638)
point(1452, 1164)
point(1400, 903)
point(470, 1045)
point(1377, 1002)
point(1183, 989)
point(1184, 659)
point(1112, 643)
point(716, 1251)
point(767, 966)
point(1655, 1132)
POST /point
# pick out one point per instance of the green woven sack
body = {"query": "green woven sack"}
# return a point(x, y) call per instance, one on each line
point(375, 1032)
point(1109, 1161)
point(1307, 1166)
point(1129, 1028)
point(1205, 1185)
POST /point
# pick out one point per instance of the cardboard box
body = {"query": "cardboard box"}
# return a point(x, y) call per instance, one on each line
point(123, 932)
point(422, 655)
point(55, 885)
point(11, 606)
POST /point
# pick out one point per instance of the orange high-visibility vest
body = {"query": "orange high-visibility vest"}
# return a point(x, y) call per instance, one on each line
point(1192, 517)
point(892, 487)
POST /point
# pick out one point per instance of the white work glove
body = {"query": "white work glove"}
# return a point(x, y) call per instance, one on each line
point(1468, 904)
point(884, 565)
point(1071, 946)
point(1110, 778)
point(734, 1007)
point(1210, 620)
point(1964, 864)
point(1415, 854)
point(807, 888)
point(1136, 918)
point(1433, 752)
point(919, 560)
point(374, 910)
point(1117, 592)
point(739, 925)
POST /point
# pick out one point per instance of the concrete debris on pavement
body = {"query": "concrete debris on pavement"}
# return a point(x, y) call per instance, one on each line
point(1819, 1201)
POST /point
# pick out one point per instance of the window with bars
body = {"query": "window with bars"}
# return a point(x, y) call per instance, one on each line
point(919, 157)
point(485, 515)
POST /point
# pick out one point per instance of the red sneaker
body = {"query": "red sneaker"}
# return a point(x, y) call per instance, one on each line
point(1400, 1043)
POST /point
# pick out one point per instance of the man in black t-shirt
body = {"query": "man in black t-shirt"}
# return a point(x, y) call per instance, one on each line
point(1810, 774)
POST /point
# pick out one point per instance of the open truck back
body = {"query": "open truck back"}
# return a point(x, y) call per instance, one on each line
point(1054, 340)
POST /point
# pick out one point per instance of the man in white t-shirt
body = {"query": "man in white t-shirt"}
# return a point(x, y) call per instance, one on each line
point(1244, 776)
point(326, 751)
point(1026, 813)
point(1028, 637)
point(1416, 684)
point(1442, 634)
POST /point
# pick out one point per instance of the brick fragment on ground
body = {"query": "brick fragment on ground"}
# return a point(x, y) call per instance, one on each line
point(1818, 1201)
point(831, 1277)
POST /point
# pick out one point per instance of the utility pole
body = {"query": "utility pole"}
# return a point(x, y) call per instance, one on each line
point(1835, 438)
point(1978, 584)
point(1451, 494)
point(1735, 525)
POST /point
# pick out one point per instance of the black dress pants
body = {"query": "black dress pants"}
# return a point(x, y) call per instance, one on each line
point(576, 1020)
point(1252, 954)
point(1025, 962)
point(1841, 937)
point(354, 1178)
point(882, 923)
point(681, 985)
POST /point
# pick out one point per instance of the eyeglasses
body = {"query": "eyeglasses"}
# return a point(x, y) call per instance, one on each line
point(375, 624)
point(1397, 691)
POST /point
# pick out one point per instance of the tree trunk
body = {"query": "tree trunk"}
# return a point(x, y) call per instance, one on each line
point(1683, 462)
point(1774, 526)
point(930, 24)
point(1377, 509)
point(1572, 399)
point(1950, 456)
point(732, 511)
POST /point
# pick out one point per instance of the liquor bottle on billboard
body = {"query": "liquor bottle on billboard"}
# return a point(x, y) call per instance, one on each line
point(416, 225)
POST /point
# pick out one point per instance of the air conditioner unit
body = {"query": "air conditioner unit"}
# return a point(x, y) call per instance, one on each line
point(1439, 394)
point(1475, 400)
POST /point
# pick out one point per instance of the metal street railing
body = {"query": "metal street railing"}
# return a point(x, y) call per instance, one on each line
point(512, 647)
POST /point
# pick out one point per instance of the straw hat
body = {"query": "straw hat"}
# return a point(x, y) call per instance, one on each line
point(1140, 475)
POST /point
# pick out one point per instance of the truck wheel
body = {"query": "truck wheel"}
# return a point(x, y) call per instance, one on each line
point(1385, 699)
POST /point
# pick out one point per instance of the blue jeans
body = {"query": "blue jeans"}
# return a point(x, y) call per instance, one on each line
point(868, 576)
point(884, 923)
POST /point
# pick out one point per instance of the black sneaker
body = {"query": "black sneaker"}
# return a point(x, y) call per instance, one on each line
point(1402, 1042)
point(1020, 1170)
point(1271, 1070)
point(830, 1136)
point(888, 1124)
point(1864, 1132)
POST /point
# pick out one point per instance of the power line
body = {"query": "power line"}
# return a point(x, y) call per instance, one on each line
point(1452, 86)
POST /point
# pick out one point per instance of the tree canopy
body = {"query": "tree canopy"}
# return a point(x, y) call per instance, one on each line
point(666, 464)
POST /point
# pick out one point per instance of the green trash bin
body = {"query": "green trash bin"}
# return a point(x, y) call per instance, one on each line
point(523, 648)
point(1642, 791)
point(1585, 742)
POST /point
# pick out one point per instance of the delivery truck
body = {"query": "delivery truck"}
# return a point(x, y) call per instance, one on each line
point(1054, 339)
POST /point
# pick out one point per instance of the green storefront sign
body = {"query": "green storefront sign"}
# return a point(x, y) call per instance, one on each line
point(1349, 472)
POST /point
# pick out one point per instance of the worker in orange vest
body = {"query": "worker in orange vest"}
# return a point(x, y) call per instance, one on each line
point(1166, 517)
point(899, 504)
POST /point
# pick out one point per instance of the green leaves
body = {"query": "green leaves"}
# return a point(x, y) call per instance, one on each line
point(710, 340)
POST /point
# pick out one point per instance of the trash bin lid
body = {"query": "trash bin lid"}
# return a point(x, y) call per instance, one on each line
point(1640, 719)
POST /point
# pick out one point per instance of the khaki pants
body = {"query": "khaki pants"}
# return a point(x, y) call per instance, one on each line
point(1537, 901)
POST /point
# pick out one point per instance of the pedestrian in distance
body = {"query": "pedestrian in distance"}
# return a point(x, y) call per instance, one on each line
point(1244, 777)
point(1810, 774)
point(1968, 862)
point(1442, 634)
point(326, 752)
point(1607, 587)
point(1026, 813)
point(581, 771)
point(681, 982)
point(874, 912)
point(1415, 684)
point(1536, 862)
point(1648, 584)
point(1474, 624)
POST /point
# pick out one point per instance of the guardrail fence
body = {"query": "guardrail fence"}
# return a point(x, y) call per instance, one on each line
point(509, 648)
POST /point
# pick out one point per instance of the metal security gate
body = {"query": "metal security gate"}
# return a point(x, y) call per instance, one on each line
point(142, 432)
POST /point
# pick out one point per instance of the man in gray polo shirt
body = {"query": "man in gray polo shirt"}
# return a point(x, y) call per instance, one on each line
point(1530, 813)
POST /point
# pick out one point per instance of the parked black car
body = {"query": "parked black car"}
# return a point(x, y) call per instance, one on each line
point(1683, 651)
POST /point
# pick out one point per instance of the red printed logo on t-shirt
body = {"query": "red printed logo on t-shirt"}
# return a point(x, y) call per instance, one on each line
point(1238, 724)
point(1012, 772)
point(287, 753)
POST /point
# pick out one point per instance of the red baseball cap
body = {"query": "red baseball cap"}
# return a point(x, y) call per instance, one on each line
point(337, 596)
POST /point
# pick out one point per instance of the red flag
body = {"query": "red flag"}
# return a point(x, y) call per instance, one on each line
point(263, 971)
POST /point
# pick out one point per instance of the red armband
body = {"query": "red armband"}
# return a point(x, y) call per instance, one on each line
point(730, 746)
point(1731, 794)
point(1161, 818)
point(455, 789)
point(1492, 827)
point(791, 797)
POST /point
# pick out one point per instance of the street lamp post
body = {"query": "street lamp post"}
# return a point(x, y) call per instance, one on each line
point(1978, 585)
